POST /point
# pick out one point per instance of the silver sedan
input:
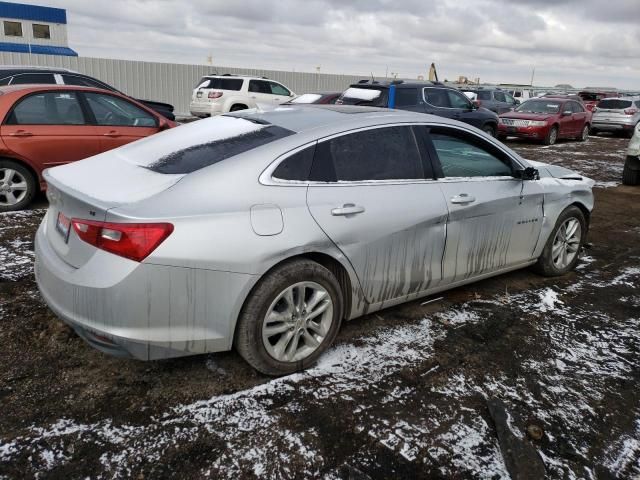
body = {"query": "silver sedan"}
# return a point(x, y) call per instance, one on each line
point(263, 231)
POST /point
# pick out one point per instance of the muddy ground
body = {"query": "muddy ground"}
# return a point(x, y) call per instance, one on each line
point(403, 394)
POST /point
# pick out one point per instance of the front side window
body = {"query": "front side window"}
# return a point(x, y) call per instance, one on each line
point(50, 108)
point(35, 78)
point(406, 97)
point(466, 157)
point(113, 111)
point(509, 98)
point(277, 89)
point(499, 96)
point(436, 97)
point(296, 167)
point(41, 31)
point(387, 153)
point(12, 29)
point(458, 100)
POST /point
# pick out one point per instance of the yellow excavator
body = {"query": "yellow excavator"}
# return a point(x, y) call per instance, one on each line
point(433, 74)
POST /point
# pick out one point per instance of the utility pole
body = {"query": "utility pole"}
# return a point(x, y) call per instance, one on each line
point(318, 77)
point(532, 75)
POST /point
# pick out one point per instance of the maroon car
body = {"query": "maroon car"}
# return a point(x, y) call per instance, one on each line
point(546, 119)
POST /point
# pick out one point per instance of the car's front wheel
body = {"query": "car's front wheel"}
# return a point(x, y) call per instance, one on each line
point(17, 186)
point(552, 136)
point(561, 252)
point(290, 318)
point(489, 130)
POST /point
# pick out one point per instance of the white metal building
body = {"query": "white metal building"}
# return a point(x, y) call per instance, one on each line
point(33, 29)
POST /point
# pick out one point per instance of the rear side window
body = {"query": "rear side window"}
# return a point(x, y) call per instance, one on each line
point(37, 78)
point(466, 157)
point(436, 97)
point(378, 154)
point(297, 166)
point(50, 108)
point(406, 97)
point(221, 83)
point(615, 104)
point(232, 136)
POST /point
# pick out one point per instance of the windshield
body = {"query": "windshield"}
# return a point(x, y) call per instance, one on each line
point(372, 97)
point(615, 104)
point(539, 106)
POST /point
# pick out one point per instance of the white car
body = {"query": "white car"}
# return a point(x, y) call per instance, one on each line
point(217, 94)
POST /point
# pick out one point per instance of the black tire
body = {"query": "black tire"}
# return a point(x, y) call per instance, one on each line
point(31, 185)
point(489, 129)
point(248, 335)
point(584, 134)
point(238, 106)
point(631, 173)
point(545, 265)
point(552, 136)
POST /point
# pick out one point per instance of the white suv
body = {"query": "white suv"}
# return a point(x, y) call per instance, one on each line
point(216, 94)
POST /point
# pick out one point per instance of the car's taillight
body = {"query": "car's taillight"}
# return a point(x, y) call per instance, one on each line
point(215, 94)
point(631, 111)
point(130, 240)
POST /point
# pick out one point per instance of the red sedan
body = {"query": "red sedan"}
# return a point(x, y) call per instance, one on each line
point(547, 120)
point(48, 125)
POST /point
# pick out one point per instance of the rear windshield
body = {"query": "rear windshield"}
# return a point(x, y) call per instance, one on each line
point(615, 104)
point(372, 97)
point(201, 144)
point(221, 83)
point(539, 106)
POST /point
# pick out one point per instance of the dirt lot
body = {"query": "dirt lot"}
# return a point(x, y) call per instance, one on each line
point(405, 393)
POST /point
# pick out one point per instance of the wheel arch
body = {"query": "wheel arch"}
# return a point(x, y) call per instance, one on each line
point(585, 211)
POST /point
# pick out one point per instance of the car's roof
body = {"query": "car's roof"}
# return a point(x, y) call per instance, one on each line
point(304, 117)
point(45, 86)
point(16, 69)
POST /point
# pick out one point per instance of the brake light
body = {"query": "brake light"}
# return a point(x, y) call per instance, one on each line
point(631, 111)
point(215, 94)
point(135, 241)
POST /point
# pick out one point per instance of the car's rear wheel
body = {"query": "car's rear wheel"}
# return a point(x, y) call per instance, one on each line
point(552, 136)
point(631, 171)
point(290, 318)
point(584, 134)
point(561, 252)
point(17, 186)
point(489, 130)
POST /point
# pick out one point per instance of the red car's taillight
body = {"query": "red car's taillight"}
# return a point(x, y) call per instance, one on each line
point(130, 240)
point(215, 94)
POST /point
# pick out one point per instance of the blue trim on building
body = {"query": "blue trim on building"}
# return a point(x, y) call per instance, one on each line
point(40, 49)
point(33, 13)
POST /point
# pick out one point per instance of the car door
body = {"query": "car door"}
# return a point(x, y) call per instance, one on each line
point(369, 195)
point(494, 218)
point(566, 121)
point(279, 94)
point(118, 121)
point(260, 92)
point(49, 128)
point(501, 104)
point(579, 117)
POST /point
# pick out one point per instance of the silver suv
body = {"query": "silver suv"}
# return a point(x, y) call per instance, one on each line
point(618, 115)
point(217, 94)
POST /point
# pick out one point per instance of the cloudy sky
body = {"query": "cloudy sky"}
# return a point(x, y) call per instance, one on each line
point(580, 42)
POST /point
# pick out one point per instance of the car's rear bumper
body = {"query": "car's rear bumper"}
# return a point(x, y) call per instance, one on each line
point(145, 311)
point(613, 125)
point(203, 110)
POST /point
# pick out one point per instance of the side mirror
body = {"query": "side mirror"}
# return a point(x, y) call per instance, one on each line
point(528, 173)
point(163, 124)
point(475, 105)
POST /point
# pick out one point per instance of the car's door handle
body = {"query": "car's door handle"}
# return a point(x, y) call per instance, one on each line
point(21, 133)
point(463, 199)
point(112, 133)
point(347, 209)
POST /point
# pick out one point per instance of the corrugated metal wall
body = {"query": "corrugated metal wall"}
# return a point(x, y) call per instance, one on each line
point(170, 82)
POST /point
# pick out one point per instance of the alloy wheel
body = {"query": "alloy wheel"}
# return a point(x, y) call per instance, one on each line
point(13, 187)
point(566, 243)
point(297, 321)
